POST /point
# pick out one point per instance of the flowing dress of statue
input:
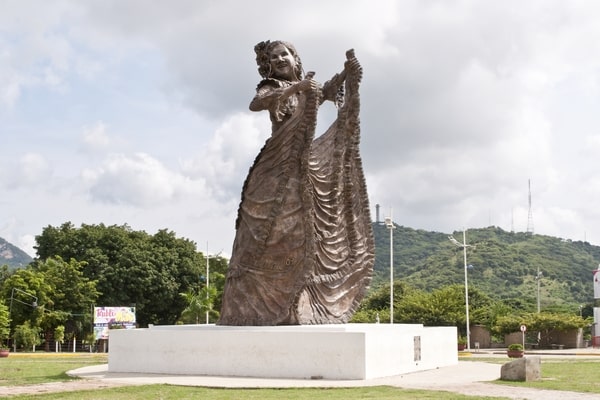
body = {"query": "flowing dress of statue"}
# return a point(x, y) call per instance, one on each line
point(304, 250)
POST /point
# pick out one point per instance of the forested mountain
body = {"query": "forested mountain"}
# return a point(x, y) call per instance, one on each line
point(12, 256)
point(504, 264)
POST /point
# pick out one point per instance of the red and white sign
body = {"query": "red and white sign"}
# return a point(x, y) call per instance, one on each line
point(523, 328)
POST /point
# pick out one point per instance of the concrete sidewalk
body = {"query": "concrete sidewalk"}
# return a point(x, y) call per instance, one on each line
point(462, 373)
point(467, 377)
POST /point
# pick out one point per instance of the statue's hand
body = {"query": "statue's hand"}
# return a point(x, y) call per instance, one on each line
point(352, 66)
point(307, 84)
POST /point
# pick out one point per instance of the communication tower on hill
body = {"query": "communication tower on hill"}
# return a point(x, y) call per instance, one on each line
point(530, 214)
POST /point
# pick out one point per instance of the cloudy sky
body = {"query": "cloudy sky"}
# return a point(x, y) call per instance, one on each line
point(136, 112)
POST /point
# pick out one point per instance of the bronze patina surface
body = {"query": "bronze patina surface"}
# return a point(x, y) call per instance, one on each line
point(304, 250)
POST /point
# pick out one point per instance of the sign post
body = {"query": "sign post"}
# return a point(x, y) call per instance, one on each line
point(523, 329)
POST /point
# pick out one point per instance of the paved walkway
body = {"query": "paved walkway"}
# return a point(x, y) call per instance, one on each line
point(467, 377)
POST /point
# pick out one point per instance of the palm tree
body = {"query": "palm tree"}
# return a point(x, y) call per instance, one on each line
point(198, 304)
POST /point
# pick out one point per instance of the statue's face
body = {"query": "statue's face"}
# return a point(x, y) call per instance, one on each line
point(282, 62)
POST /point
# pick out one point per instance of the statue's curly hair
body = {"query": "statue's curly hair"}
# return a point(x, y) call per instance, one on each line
point(263, 59)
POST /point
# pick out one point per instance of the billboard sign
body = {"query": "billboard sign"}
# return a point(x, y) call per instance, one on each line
point(106, 318)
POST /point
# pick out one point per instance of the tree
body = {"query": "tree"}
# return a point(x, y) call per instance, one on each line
point(376, 305)
point(27, 336)
point(4, 274)
point(132, 268)
point(4, 324)
point(505, 265)
point(59, 334)
point(545, 323)
point(63, 296)
point(22, 287)
point(442, 307)
point(218, 271)
point(70, 299)
point(198, 304)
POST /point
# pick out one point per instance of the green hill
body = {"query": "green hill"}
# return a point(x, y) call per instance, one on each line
point(504, 264)
point(12, 256)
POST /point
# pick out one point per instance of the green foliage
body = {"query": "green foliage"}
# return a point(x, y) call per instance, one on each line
point(27, 336)
point(198, 304)
point(59, 333)
point(515, 347)
point(4, 323)
point(4, 274)
point(573, 375)
point(546, 324)
point(130, 267)
point(539, 322)
point(379, 299)
point(505, 265)
point(218, 270)
point(441, 307)
point(37, 369)
point(23, 287)
point(63, 294)
point(370, 316)
point(116, 266)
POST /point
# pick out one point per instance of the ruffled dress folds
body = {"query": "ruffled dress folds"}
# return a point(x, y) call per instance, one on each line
point(304, 250)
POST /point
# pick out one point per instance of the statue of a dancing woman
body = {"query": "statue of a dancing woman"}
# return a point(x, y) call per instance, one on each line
point(303, 251)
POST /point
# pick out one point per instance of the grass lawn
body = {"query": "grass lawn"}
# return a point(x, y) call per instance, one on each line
point(26, 369)
point(168, 392)
point(33, 368)
point(572, 374)
point(569, 374)
point(29, 369)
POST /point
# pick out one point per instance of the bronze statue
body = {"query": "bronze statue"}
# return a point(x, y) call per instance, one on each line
point(304, 250)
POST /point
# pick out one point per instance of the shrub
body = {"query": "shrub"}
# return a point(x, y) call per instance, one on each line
point(4, 324)
point(27, 336)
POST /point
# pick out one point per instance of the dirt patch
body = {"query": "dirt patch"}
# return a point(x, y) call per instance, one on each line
point(54, 387)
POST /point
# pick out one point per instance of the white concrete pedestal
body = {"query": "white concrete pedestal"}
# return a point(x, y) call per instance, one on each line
point(350, 351)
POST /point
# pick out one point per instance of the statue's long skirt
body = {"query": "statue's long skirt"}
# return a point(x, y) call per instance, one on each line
point(303, 251)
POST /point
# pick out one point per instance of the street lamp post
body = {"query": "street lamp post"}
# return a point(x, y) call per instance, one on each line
point(12, 298)
point(207, 277)
point(538, 278)
point(207, 280)
point(390, 225)
point(33, 304)
point(464, 246)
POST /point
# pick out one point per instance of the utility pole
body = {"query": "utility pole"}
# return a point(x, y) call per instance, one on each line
point(464, 246)
point(538, 278)
point(390, 225)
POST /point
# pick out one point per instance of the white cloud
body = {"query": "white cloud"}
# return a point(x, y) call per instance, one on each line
point(462, 103)
point(137, 180)
point(225, 160)
point(95, 137)
point(29, 170)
